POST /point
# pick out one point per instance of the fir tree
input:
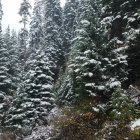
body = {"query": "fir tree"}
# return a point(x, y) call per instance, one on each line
point(114, 53)
point(35, 97)
point(115, 65)
point(69, 15)
point(6, 87)
point(84, 66)
point(36, 31)
point(36, 34)
point(24, 13)
point(134, 58)
point(11, 46)
point(53, 33)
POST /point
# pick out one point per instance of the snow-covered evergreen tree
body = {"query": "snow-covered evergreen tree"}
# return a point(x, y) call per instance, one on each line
point(114, 53)
point(131, 33)
point(115, 65)
point(69, 15)
point(97, 63)
point(36, 34)
point(14, 59)
point(24, 13)
point(6, 90)
point(36, 31)
point(53, 33)
point(84, 66)
point(35, 97)
point(11, 45)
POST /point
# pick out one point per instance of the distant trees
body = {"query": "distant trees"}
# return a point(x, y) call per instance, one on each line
point(36, 28)
point(23, 34)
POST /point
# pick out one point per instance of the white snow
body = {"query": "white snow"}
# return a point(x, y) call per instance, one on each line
point(93, 61)
point(77, 70)
point(135, 124)
point(90, 84)
point(115, 84)
point(106, 59)
point(131, 19)
point(101, 87)
point(48, 86)
point(86, 23)
point(87, 52)
point(95, 109)
point(119, 42)
point(90, 74)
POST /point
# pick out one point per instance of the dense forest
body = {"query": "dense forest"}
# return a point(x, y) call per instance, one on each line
point(74, 74)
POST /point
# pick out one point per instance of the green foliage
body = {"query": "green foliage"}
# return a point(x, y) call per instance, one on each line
point(134, 57)
point(79, 121)
point(136, 133)
point(122, 107)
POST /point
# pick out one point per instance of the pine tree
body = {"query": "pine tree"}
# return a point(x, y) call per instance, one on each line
point(84, 66)
point(69, 15)
point(115, 65)
point(53, 33)
point(14, 59)
point(36, 34)
point(134, 58)
point(35, 97)
point(122, 107)
point(12, 65)
point(97, 62)
point(114, 53)
point(132, 34)
point(24, 12)
point(6, 90)
point(23, 35)
point(36, 31)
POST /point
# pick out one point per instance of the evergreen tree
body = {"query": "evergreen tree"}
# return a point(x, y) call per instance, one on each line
point(14, 59)
point(36, 31)
point(53, 33)
point(69, 15)
point(35, 97)
point(97, 63)
point(24, 13)
point(132, 34)
point(134, 58)
point(23, 37)
point(36, 34)
point(11, 46)
point(7, 37)
point(115, 65)
point(6, 87)
point(114, 53)
point(122, 106)
point(84, 66)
